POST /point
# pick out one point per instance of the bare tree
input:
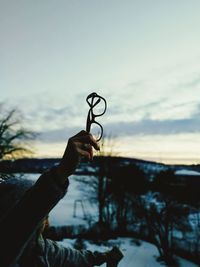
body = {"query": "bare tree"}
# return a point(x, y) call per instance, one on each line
point(108, 150)
point(13, 136)
point(163, 215)
point(128, 183)
point(98, 183)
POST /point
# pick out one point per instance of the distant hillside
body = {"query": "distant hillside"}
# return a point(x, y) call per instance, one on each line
point(32, 165)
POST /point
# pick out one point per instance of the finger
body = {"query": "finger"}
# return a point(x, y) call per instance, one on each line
point(88, 148)
point(89, 139)
point(84, 154)
point(91, 154)
point(83, 146)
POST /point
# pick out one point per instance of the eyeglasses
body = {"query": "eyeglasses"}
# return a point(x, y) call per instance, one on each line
point(98, 107)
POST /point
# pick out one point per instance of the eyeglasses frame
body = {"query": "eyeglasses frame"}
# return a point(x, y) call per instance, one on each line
point(91, 116)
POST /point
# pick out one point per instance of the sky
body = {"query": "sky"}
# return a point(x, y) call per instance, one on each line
point(143, 56)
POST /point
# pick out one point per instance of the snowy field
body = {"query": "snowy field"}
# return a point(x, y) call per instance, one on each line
point(143, 255)
point(134, 256)
point(63, 213)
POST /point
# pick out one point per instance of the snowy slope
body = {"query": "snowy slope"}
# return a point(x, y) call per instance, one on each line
point(134, 256)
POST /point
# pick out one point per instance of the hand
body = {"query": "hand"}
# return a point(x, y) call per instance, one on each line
point(113, 257)
point(79, 146)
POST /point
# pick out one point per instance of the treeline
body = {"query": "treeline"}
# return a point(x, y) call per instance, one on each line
point(27, 165)
point(33, 165)
point(155, 209)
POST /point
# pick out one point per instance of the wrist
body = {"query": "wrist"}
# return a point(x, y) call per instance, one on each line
point(61, 175)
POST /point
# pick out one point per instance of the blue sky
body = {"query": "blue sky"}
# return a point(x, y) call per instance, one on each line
point(143, 56)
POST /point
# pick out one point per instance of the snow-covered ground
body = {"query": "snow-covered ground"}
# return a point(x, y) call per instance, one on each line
point(134, 256)
point(143, 255)
point(63, 213)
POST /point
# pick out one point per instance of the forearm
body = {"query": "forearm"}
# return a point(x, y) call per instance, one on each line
point(60, 256)
point(21, 222)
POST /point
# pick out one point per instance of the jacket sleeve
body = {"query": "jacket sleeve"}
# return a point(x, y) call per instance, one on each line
point(60, 256)
point(19, 226)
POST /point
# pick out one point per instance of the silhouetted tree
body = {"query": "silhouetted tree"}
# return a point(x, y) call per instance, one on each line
point(98, 184)
point(127, 184)
point(162, 216)
point(164, 180)
point(106, 163)
point(13, 137)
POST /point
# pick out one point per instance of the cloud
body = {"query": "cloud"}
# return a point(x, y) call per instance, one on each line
point(154, 127)
point(144, 127)
point(145, 107)
point(193, 83)
point(125, 117)
point(49, 114)
point(58, 135)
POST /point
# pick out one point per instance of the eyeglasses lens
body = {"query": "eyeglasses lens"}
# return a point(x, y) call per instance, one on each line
point(99, 108)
